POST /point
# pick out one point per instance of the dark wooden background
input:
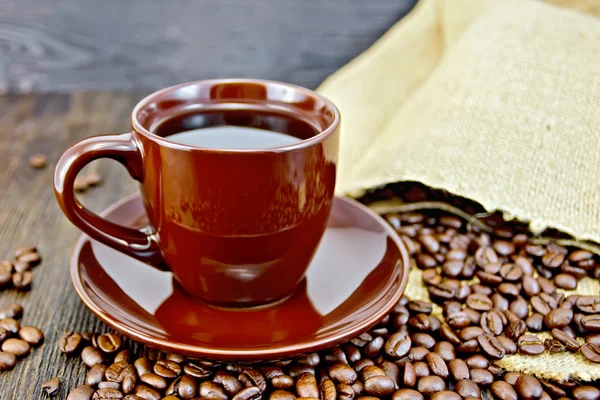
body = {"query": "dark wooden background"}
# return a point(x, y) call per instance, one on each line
point(127, 44)
point(98, 58)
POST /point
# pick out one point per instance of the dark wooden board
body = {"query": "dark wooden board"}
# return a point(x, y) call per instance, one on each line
point(123, 44)
point(29, 215)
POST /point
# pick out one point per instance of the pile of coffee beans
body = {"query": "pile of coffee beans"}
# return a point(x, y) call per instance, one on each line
point(489, 293)
point(17, 273)
point(16, 341)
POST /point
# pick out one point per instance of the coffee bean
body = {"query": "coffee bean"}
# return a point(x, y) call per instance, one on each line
point(418, 353)
point(591, 352)
point(425, 261)
point(576, 272)
point(535, 322)
point(445, 395)
point(503, 391)
point(540, 305)
point(109, 342)
point(22, 280)
point(519, 307)
point(489, 278)
point(70, 342)
point(18, 347)
point(467, 388)
point(588, 304)
point(379, 386)
point(342, 373)
point(485, 255)
point(11, 310)
point(7, 361)
point(146, 392)
point(373, 348)
point(335, 354)
point(447, 333)
point(509, 346)
point(593, 339)
point(429, 243)
point(478, 361)
point(458, 369)
point(421, 369)
point(470, 346)
point(470, 332)
point(362, 363)
point(281, 395)
point(509, 289)
point(91, 356)
point(407, 394)
point(491, 346)
point(108, 385)
point(213, 391)
point(31, 335)
point(392, 371)
point(249, 393)
point(504, 247)
point(422, 339)
point(565, 281)
point(428, 385)
point(558, 318)
point(196, 370)
point(258, 380)
point(511, 272)
point(452, 268)
point(491, 322)
point(95, 375)
point(167, 369)
point(530, 344)
point(531, 286)
point(546, 285)
point(500, 302)
point(458, 320)
point(151, 379)
point(306, 386)
point(569, 342)
point(591, 323)
point(479, 302)
point(183, 386)
point(482, 377)
point(51, 386)
point(107, 394)
point(419, 306)
point(437, 365)
point(553, 389)
point(123, 355)
point(345, 392)
point(553, 259)
point(445, 350)
point(586, 393)
point(409, 377)
point(83, 392)
point(420, 322)
point(482, 289)
point(528, 387)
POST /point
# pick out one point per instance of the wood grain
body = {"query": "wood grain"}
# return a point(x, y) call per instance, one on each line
point(114, 44)
point(29, 215)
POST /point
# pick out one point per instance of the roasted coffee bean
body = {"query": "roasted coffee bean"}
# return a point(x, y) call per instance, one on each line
point(481, 377)
point(306, 386)
point(576, 272)
point(511, 272)
point(22, 280)
point(428, 385)
point(146, 392)
point(407, 394)
point(485, 255)
point(38, 161)
point(109, 342)
point(535, 322)
point(83, 392)
point(489, 278)
point(108, 385)
point(107, 394)
point(91, 356)
point(420, 322)
point(379, 386)
point(51, 386)
point(362, 363)
point(151, 379)
point(509, 289)
point(569, 342)
point(257, 379)
point(421, 369)
point(409, 377)
point(448, 333)
point(500, 302)
point(491, 322)
point(553, 389)
point(392, 371)
point(511, 377)
point(422, 339)
point(373, 348)
point(470, 346)
point(434, 324)
point(419, 306)
point(509, 346)
point(558, 318)
point(429, 243)
point(425, 261)
point(593, 339)
point(588, 304)
point(167, 369)
point(31, 335)
point(445, 395)
point(528, 387)
point(591, 352)
point(441, 291)
point(7, 361)
point(70, 342)
point(118, 371)
point(478, 361)
point(481, 289)
point(591, 323)
point(142, 366)
point(345, 392)
point(530, 345)
point(281, 395)
point(540, 305)
point(123, 355)
point(335, 354)
point(342, 373)
point(437, 365)
point(503, 391)
point(586, 393)
point(470, 332)
point(431, 277)
point(452, 268)
point(467, 388)
point(519, 307)
point(565, 281)
point(249, 393)
point(129, 383)
point(531, 286)
point(4, 334)
point(445, 350)
point(397, 345)
point(458, 369)
point(183, 386)
point(95, 375)
point(554, 346)
point(18, 347)
point(196, 370)
point(479, 302)
point(504, 247)
point(458, 320)
point(213, 391)
point(11, 310)
point(299, 369)
point(418, 353)
point(371, 371)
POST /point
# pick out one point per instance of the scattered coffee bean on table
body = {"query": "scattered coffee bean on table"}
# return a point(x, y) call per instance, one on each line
point(38, 161)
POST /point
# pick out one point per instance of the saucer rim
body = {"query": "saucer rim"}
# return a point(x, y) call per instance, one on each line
point(273, 353)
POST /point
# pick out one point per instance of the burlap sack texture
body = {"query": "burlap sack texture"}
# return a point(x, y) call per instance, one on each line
point(496, 101)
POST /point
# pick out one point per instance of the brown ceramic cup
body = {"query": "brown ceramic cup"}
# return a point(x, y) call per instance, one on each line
point(236, 227)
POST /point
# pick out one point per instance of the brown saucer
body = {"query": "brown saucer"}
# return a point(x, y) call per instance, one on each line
point(358, 274)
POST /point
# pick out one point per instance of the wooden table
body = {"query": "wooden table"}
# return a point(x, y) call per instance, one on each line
point(30, 215)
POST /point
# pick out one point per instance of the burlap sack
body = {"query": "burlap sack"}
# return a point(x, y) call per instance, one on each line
point(496, 101)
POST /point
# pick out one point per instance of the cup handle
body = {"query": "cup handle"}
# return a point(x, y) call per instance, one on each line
point(122, 148)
